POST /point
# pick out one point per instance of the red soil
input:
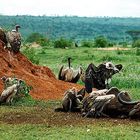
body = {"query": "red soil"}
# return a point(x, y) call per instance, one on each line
point(43, 81)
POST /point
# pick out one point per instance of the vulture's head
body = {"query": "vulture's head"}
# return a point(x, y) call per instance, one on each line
point(17, 27)
point(109, 69)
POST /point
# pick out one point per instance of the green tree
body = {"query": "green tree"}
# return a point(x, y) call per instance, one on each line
point(136, 44)
point(31, 54)
point(87, 43)
point(62, 43)
point(38, 38)
point(135, 34)
point(101, 42)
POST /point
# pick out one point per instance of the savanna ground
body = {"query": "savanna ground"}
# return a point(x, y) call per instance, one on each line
point(32, 119)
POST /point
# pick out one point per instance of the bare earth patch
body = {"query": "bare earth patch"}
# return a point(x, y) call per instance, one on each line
point(113, 48)
point(47, 116)
point(45, 84)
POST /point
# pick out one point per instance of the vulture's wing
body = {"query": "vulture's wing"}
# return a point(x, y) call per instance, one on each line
point(82, 92)
point(3, 37)
point(98, 106)
point(76, 78)
point(10, 37)
point(60, 75)
point(89, 75)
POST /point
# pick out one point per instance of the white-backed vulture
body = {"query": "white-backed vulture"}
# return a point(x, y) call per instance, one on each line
point(68, 74)
point(9, 81)
point(9, 93)
point(14, 39)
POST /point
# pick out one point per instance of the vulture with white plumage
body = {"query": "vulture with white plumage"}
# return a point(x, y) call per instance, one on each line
point(68, 74)
point(14, 39)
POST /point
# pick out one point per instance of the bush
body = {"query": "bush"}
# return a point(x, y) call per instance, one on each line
point(87, 44)
point(138, 51)
point(62, 43)
point(136, 44)
point(110, 44)
point(101, 42)
point(30, 53)
point(25, 89)
point(38, 38)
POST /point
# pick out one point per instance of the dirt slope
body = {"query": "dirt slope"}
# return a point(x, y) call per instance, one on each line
point(43, 81)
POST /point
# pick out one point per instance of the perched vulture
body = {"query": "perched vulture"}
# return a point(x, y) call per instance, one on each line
point(68, 74)
point(3, 38)
point(14, 39)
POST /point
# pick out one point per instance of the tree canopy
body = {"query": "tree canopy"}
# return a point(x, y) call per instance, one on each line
point(73, 27)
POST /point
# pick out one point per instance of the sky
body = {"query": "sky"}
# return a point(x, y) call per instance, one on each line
point(89, 8)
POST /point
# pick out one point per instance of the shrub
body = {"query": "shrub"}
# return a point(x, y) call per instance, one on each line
point(87, 44)
point(123, 43)
point(25, 89)
point(38, 38)
point(101, 42)
point(138, 51)
point(62, 43)
point(30, 53)
point(136, 44)
point(110, 44)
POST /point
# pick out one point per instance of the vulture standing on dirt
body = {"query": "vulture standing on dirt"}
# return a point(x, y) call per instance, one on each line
point(3, 38)
point(14, 39)
point(68, 74)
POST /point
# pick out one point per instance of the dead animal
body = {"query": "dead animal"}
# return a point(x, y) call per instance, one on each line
point(133, 107)
point(72, 100)
point(106, 105)
point(68, 74)
point(100, 77)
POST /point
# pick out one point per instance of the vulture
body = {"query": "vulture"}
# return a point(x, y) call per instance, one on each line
point(72, 100)
point(3, 38)
point(68, 74)
point(99, 77)
point(14, 39)
point(9, 93)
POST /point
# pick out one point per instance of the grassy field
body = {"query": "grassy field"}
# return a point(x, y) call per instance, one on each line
point(127, 79)
point(36, 120)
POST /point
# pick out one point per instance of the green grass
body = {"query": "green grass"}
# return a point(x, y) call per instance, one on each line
point(45, 132)
point(90, 129)
point(128, 79)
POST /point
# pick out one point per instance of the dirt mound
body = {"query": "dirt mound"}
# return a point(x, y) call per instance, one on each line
point(41, 78)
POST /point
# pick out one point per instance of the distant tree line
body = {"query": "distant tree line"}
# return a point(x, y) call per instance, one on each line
point(73, 28)
point(98, 42)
